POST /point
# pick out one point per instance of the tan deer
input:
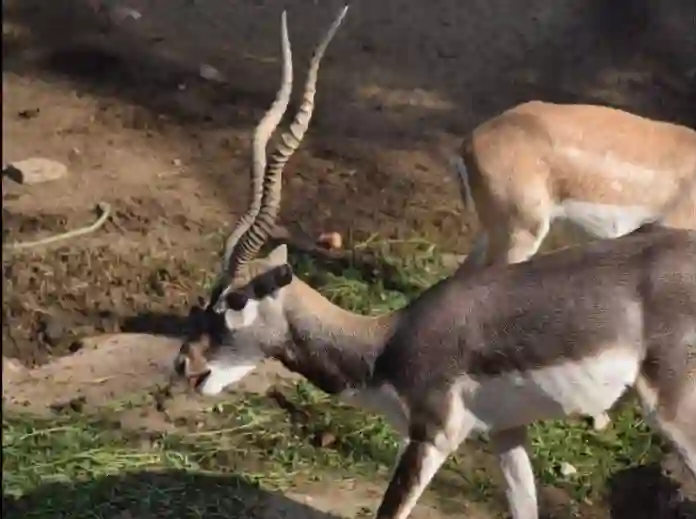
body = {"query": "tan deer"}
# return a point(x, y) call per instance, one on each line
point(605, 170)
point(484, 350)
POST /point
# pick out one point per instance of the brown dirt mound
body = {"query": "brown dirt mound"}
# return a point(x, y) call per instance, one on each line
point(109, 368)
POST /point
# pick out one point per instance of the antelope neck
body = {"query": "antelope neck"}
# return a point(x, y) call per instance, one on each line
point(334, 349)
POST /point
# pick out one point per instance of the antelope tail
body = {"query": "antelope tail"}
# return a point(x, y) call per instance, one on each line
point(458, 166)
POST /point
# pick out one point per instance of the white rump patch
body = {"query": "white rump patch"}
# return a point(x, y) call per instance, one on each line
point(243, 318)
point(604, 220)
point(588, 387)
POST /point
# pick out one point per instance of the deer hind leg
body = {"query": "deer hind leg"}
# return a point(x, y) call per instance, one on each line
point(673, 413)
point(509, 245)
point(517, 236)
point(525, 240)
point(510, 446)
point(681, 430)
point(676, 421)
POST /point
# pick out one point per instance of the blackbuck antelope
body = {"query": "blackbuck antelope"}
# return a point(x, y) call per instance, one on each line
point(485, 350)
point(605, 170)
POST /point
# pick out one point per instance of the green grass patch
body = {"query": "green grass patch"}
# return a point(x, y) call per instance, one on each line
point(628, 442)
point(74, 467)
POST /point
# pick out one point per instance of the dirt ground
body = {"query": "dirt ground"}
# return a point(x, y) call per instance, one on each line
point(121, 102)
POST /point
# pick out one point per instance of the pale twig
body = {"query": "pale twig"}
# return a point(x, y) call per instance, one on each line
point(102, 207)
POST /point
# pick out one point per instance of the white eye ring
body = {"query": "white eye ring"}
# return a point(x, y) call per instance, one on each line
point(236, 319)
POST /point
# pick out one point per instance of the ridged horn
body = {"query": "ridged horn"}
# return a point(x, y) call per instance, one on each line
point(262, 134)
point(262, 227)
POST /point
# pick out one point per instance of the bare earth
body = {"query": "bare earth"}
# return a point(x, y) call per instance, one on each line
point(121, 102)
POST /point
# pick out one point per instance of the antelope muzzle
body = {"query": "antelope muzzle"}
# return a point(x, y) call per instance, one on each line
point(191, 363)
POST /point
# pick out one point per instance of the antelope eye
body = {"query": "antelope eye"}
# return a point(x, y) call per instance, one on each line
point(236, 301)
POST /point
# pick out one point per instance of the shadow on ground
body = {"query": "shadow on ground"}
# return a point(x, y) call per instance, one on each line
point(156, 323)
point(481, 59)
point(145, 495)
point(401, 80)
point(399, 70)
point(477, 60)
point(639, 493)
point(644, 492)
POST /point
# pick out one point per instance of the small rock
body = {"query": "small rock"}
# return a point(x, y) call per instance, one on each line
point(567, 469)
point(600, 422)
point(177, 162)
point(35, 171)
point(210, 73)
point(330, 240)
point(120, 14)
point(324, 439)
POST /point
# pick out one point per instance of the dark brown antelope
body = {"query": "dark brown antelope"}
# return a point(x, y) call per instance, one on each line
point(484, 350)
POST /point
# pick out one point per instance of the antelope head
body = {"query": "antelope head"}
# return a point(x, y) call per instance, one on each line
point(244, 320)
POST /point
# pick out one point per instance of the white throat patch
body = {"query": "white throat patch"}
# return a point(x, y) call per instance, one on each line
point(220, 377)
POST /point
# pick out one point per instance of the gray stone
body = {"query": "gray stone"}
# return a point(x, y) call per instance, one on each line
point(35, 170)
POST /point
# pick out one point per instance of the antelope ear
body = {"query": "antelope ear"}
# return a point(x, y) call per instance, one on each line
point(278, 256)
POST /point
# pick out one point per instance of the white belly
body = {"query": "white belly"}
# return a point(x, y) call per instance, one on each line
point(603, 220)
point(588, 387)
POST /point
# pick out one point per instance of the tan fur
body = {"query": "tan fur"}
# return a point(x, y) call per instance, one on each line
point(524, 165)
